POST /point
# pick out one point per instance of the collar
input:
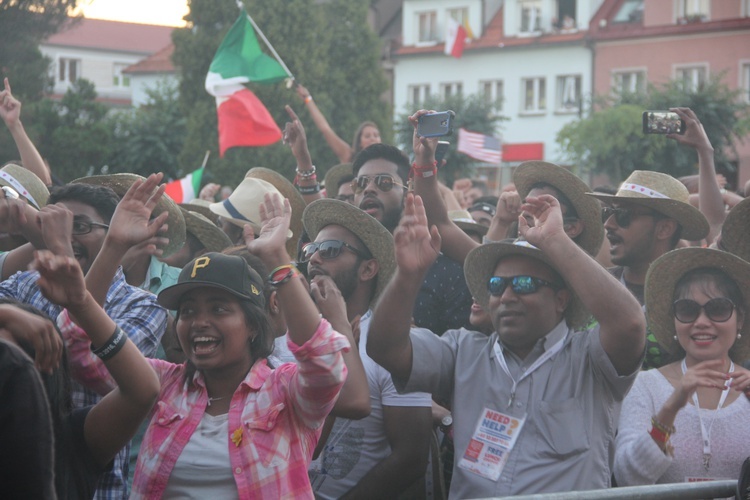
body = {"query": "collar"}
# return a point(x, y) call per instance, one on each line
point(544, 343)
point(254, 379)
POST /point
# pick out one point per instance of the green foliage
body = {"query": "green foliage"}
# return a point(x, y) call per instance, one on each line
point(472, 113)
point(74, 134)
point(611, 141)
point(327, 46)
point(150, 138)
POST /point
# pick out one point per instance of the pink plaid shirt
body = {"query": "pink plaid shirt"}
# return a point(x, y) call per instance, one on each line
point(275, 418)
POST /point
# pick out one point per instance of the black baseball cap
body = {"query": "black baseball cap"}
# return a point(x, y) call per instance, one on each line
point(227, 272)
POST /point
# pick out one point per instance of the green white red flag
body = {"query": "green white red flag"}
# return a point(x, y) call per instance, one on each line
point(186, 189)
point(243, 119)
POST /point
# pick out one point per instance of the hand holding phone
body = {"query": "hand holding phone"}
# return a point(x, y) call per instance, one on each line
point(662, 122)
point(436, 124)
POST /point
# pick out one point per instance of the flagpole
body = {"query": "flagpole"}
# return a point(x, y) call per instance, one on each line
point(265, 40)
point(205, 158)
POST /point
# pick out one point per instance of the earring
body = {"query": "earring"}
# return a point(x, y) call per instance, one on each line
point(739, 336)
point(675, 337)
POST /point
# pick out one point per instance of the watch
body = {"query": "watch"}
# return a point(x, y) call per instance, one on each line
point(446, 421)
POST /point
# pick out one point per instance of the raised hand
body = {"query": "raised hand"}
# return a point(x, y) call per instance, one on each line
point(60, 279)
point(13, 214)
point(275, 214)
point(741, 380)
point(704, 374)
point(294, 134)
point(329, 300)
point(508, 207)
point(131, 223)
point(302, 92)
point(10, 107)
point(55, 222)
point(695, 135)
point(548, 221)
point(208, 192)
point(23, 327)
point(417, 245)
point(424, 147)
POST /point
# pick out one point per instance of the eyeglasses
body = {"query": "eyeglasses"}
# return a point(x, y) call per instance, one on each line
point(384, 182)
point(329, 249)
point(521, 285)
point(623, 216)
point(718, 310)
point(85, 226)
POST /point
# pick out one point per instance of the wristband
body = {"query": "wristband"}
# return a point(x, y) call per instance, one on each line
point(423, 171)
point(112, 346)
point(309, 189)
point(282, 274)
point(666, 429)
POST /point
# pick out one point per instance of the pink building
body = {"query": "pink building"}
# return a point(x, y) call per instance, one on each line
point(639, 41)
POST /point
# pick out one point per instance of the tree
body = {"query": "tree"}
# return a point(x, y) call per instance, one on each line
point(610, 139)
point(472, 113)
point(327, 46)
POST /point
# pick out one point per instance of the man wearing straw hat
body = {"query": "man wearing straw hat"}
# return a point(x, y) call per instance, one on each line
point(381, 455)
point(535, 403)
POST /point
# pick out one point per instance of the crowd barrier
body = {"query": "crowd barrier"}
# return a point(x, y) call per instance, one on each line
point(677, 491)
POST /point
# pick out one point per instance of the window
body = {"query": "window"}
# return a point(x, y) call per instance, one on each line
point(492, 90)
point(460, 15)
point(629, 81)
point(118, 79)
point(568, 94)
point(631, 11)
point(531, 16)
point(566, 15)
point(68, 70)
point(450, 89)
point(746, 81)
point(534, 97)
point(418, 93)
point(746, 8)
point(693, 77)
point(692, 10)
point(427, 26)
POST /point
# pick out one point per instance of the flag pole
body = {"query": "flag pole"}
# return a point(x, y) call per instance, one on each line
point(265, 40)
point(205, 158)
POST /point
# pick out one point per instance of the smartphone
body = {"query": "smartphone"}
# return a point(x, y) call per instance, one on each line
point(662, 122)
point(436, 124)
point(440, 151)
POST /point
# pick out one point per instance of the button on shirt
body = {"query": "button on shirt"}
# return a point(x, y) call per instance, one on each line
point(571, 404)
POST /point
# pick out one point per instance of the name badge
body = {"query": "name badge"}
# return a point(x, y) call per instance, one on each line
point(491, 444)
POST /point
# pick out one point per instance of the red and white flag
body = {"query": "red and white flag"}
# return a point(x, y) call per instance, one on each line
point(455, 38)
point(479, 146)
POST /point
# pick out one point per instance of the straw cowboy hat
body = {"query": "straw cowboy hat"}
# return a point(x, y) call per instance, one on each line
point(209, 234)
point(376, 238)
point(664, 194)
point(735, 232)
point(201, 206)
point(120, 183)
point(480, 265)
point(243, 205)
point(589, 210)
point(288, 191)
point(334, 176)
point(25, 183)
point(666, 271)
point(463, 219)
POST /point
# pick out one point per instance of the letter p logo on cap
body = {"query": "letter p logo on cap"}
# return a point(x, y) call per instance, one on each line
point(200, 263)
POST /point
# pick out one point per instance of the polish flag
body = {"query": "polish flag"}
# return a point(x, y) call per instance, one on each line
point(455, 38)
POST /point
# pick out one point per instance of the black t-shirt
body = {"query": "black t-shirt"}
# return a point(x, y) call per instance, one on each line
point(76, 470)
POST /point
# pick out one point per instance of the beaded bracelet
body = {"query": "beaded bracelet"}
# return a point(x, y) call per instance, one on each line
point(666, 429)
point(282, 274)
point(305, 174)
point(112, 346)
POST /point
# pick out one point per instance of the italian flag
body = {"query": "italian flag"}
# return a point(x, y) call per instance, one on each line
point(186, 189)
point(243, 119)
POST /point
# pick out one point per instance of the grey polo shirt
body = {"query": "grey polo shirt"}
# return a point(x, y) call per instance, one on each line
point(571, 403)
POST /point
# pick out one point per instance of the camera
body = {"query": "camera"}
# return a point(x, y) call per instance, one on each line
point(662, 122)
point(436, 124)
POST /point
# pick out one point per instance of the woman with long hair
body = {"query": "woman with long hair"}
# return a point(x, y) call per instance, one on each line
point(687, 421)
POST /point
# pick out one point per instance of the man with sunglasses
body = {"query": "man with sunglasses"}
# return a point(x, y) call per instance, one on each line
point(381, 174)
point(381, 455)
point(534, 404)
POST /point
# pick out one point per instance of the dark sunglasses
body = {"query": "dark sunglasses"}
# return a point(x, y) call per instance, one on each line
point(718, 310)
point(384, 182)
point(521, 285)
point(329, 249)
point(623, 216)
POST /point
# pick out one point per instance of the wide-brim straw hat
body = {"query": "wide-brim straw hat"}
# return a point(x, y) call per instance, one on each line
point(374, 235)
point(288, 191)
point(735, 232)
point(480, 266)
point(463, 219)
point(589, 210)
point(243, 205)
point(209, 234)
point(334, 176)
point(25, 183)
point(664, 194)
point(120, 183)
point(666, 271)
point(201, 206)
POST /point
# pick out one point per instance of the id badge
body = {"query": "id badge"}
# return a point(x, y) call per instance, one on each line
point(490, 445)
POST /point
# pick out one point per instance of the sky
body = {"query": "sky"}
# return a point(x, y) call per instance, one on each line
point(165, 12)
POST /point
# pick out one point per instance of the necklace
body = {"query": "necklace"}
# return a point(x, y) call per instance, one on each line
point(211, 400)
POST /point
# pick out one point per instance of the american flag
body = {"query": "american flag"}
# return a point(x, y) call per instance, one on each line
point(479, 146)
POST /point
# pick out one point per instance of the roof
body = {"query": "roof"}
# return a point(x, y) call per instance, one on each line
point(99, 34)
point(161, 62)
point(493, 37)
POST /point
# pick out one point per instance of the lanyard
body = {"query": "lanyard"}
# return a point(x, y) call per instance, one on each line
point(706, 432)
point(536, 364)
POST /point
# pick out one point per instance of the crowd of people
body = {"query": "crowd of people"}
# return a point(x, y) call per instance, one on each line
point(379, 336)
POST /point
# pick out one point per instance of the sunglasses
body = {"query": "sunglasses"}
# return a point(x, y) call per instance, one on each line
point(521, 285)
point(718, 310)
point(384, 182)
point(623, 216)
point(329, 249)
